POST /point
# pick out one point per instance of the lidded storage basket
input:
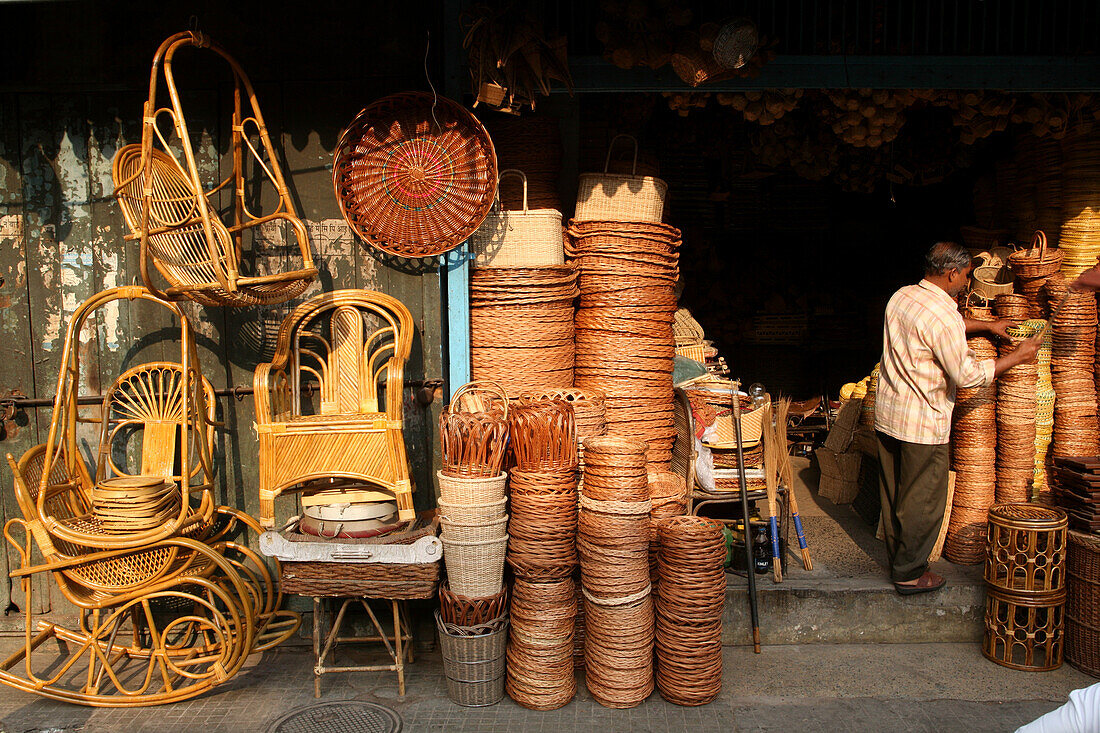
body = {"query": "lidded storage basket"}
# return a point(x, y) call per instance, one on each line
point(620, 198)
point(525, 238)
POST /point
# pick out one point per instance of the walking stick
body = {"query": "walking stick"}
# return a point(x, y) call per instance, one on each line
point(749, 564)
point(787, 477)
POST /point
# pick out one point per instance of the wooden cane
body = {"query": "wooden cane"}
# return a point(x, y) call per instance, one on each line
point(749, 564)
point(787, 477)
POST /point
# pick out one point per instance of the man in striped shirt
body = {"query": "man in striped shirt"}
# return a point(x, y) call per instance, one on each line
point(924, 358)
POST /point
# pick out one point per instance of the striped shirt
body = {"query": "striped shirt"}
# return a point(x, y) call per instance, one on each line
point(924, 358)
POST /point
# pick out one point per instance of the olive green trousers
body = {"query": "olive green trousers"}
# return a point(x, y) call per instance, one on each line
point(913, 487)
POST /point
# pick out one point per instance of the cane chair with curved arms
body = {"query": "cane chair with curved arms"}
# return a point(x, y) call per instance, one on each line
point(345, 341)
point(176, 223)
point(191, 598)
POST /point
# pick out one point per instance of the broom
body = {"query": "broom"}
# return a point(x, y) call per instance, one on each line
point(786, 472)
point(771, 475)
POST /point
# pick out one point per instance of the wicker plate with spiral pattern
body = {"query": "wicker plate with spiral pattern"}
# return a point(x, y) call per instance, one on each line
point(415, 177)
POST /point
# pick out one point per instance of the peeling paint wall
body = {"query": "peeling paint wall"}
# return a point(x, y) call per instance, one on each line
point(61, 241)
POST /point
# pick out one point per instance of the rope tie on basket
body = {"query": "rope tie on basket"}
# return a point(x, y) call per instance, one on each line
point(435, 95)
point(617, 507)
point(618, 600)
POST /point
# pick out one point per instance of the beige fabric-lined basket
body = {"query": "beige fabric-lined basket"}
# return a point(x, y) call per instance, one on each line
point(615, 197)
point(527, 238)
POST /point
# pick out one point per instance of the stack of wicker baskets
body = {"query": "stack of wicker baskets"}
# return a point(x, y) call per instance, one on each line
point(473, 436)
point(624, 336)
point(973, 457)
point(669, 497)
point(1032, 267)
point(1012, 307)
point(542, 553)
point(540, 650)
point(521, 326)
point(1016, 425)
point(1083, 602)
point(1072, 366)
point(613, 541)
point(867, 408)
point(1080, 237)
point(690, 593)
point(1025, 586)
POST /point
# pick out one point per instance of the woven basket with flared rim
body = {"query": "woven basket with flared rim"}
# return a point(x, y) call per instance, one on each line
point(543, 435)
point(690, 598)
point(415, 175)
point(1036, 262)
point(524, 238)
point(612, 197)
point(465, 611)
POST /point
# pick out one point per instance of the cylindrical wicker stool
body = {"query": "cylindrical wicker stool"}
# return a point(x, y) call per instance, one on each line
point(1025, 587)
point(1027, 550)
point(1083, 603)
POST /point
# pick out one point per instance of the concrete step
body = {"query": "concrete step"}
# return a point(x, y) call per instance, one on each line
point(856, 610)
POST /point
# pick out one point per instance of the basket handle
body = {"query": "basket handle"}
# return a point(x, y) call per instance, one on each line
point(631, 138)
point(523, 177)
point(1040, 239)
point(485, 386)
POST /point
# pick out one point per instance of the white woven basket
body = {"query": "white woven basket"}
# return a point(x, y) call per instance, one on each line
point(527, 238)
point(613, 197)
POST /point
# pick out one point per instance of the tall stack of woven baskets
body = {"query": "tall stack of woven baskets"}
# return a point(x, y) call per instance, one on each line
point(1073, 353)
point(473, 620)
point(1080, 235)
point(543, 553)
point(627, 262)
point(1016, 424)
point(521, 300)
point(973, 458)
point(613, 541)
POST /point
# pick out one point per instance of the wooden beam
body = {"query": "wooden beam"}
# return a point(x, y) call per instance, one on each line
point(1008, 73)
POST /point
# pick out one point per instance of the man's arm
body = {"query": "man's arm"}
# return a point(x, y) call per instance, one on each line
point(987, 328)
point(1022, 354)
point(1088, 280)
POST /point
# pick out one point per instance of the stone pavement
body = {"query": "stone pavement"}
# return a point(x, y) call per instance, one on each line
point(822, 687)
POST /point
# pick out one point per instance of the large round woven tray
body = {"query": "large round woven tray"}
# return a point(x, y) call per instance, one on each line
point(414, 175)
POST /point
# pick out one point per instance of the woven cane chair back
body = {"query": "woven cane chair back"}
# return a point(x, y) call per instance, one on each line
point(163, 202)
point(152, 398)
point(348, 342)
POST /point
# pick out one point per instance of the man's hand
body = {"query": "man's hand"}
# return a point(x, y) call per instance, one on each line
point(1028, 349)
point(1087, 280)
point(1000, 328)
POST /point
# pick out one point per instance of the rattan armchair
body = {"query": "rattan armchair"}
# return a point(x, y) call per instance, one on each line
point(177, 222)
point(169, 606)
point(344, 342)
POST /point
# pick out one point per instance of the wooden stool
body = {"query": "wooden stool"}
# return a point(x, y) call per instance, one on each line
point(1024, 633)
point(400, 650)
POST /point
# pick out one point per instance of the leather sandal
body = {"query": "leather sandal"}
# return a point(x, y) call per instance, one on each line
point(925, 584)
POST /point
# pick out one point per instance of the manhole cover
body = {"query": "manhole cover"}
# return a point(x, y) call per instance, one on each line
point(336, 716)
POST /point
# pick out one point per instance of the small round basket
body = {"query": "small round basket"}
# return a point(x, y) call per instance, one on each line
point(415, 175)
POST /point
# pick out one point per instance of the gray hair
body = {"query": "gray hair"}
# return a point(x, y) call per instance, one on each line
point(943, 257)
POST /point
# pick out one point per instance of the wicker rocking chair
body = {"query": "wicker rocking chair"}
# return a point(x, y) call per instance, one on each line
point(171, 605)
point(177, 223)
point(346, 341)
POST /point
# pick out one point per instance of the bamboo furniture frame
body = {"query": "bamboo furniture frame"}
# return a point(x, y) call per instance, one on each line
point(165, 613)
point(400, 650)
point(327, 339)
point(177, 222)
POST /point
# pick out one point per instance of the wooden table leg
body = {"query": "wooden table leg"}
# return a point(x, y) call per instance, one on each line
point(316, 647)
point(400, 655)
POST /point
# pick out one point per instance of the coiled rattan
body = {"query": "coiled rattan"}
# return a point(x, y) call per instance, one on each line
point(540, 650)
point(1073, 355)
point(543, 528)
point(691, 590)
point(1016, 405)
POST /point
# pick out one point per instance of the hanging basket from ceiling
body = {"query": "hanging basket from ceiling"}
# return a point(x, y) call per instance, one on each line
point(415, 175)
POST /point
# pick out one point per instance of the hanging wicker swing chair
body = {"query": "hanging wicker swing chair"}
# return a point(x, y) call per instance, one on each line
point(177, 222)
